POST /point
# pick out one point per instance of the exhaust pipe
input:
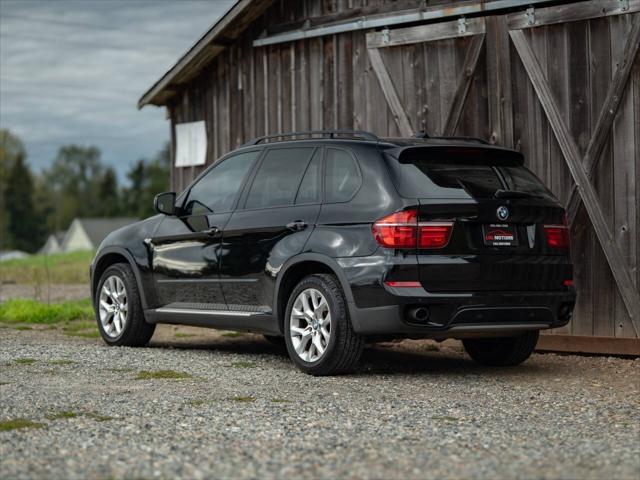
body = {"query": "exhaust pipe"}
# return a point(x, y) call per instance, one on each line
point(418, 314)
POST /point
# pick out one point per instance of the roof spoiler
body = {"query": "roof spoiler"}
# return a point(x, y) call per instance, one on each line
point(443, 153)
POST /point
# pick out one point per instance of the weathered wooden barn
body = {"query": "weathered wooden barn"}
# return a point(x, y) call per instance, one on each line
point(559, 81)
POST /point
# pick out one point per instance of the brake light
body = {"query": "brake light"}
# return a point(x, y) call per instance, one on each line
point(402, 230)
point(434, 235)
point(558, 235)
point(398, 230)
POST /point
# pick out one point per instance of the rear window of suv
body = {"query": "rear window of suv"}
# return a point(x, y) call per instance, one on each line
point(455, 173)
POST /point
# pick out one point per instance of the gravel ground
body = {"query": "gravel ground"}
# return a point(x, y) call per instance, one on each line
point(246, 412)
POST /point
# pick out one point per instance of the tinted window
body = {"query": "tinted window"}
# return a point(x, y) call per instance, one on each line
point(309, 191)
point(462, 177)
point(278, 178)
point(342, 178)
point(216, 191)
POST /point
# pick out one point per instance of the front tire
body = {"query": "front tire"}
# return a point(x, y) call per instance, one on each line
point(318, 332)
point(502, 352)
point(119, 310)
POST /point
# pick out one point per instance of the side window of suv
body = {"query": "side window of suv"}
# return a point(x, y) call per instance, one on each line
point(216, 191)
point(278, 177)
point(342, 176)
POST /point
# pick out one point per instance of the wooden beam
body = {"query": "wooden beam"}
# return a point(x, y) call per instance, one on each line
point(607, 114)
point(588, 344)
point(389, 91)
point(426, 33)
point(619, 267)
point(572, 12)
point(462, 90)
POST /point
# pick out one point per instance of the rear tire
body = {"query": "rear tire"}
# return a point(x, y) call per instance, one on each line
point(502, 352)
point(341, 346)
point(134, 330)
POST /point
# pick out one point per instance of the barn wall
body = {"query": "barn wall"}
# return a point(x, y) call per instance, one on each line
point(328, 82)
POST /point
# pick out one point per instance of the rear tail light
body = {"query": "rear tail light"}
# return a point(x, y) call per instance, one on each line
point(558, 235)
point(402, 230)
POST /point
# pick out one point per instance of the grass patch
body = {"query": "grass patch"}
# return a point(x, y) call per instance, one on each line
point(33, 312)
point(22, 327)
point(247, 399)
point(280, 400)
point(93, 334)
point(63, 414)
point(197, 402)
point(184, 335)
point(232, 334)
point(63, 268)
point(25, 361)
point(445, 418)
point(17, 423)
point(98, 417)
point(162, 374)
point(243, 365)
point(62, 362)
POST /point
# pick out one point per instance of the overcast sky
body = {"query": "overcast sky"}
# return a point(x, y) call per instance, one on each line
point(72, 71)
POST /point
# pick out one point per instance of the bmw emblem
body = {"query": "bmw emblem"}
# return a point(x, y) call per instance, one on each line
point(503, 213)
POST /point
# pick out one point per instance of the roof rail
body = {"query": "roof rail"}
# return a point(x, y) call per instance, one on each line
point(424, 134)
point(330, 133)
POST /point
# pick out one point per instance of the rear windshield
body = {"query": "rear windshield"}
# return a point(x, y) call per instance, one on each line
point(462, 177)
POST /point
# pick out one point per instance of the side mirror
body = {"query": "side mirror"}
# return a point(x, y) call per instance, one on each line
point(165, 203)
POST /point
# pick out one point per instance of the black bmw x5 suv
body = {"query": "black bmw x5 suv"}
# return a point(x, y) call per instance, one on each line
point(335, 238)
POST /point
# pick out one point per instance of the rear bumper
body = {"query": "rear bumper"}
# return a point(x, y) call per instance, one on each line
point(463, 315)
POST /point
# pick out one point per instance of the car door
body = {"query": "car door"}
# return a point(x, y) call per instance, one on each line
point(186, 248)
point(280, 206)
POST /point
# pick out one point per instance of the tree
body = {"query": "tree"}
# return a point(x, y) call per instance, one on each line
point(24, 223)
point(148, 178)
point(109, 200)
point(11, 148)
point(74, 179)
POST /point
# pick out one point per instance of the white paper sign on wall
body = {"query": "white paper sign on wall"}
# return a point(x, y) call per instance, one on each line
point(191, 144)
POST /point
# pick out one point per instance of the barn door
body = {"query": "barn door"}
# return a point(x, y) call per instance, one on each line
point(554, 83)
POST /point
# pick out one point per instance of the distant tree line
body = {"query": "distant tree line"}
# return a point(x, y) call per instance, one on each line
point(78, 184)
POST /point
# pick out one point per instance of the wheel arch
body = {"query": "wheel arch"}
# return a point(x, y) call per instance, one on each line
point(299, 267)
point(110, 256)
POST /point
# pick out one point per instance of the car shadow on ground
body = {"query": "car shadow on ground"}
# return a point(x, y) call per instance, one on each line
point(377, 359)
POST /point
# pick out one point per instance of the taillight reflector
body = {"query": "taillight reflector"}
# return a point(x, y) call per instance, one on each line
point(557, 236)
point(396, 284)
point(402, 230)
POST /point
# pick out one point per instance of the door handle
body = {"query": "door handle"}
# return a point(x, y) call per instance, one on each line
point(297, 225)
point(211, 231)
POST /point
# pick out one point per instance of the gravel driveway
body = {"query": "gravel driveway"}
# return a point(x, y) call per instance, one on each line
point(245, 411)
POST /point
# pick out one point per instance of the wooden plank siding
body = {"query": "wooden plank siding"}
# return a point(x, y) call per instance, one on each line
point(469, 83)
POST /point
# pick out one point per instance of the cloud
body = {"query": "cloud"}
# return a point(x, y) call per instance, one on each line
point(72, 71)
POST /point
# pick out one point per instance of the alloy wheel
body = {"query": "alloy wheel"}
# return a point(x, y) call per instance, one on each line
point(310, 325)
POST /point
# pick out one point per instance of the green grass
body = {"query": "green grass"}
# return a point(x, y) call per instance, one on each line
point(25, 361)
point(243, 365)
point(22, 327)
point(63, 414)
point(17, 423)
point(98, 417)
point(445, 418)
point(62, 362)
point(184, 335)
point(197, 402)
point(247, 399)
point(162, 374)
point(280, 400)
point(62, 268)
point(33, 312)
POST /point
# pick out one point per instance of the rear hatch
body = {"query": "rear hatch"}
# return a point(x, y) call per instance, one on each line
point(504, 222)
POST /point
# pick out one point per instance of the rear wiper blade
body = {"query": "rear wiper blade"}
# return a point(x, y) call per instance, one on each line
point(514, 194)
